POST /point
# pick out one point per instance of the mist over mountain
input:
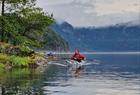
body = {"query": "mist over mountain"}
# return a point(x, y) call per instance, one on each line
point(121, 37)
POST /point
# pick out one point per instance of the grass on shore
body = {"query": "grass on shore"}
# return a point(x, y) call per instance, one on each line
point(13, 60)
point(19, 56)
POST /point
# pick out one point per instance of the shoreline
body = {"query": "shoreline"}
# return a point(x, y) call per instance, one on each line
point(20, 57)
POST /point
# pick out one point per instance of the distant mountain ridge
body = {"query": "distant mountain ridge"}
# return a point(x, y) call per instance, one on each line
point(121, 37)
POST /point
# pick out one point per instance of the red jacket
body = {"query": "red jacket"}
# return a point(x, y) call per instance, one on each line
point(77, 56)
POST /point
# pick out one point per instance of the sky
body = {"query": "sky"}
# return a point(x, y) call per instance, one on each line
point(97, 13)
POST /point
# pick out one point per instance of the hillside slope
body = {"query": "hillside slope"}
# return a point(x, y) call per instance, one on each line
point(113, 38)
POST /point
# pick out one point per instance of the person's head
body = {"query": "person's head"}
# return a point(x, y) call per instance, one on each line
point(77, 51)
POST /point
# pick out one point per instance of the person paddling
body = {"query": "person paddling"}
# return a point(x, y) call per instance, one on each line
point(77, 56)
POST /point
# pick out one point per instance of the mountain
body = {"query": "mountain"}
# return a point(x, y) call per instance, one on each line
point(121, 37)
point(54, 42)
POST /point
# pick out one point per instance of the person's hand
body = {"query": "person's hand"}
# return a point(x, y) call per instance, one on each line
point(75, 58)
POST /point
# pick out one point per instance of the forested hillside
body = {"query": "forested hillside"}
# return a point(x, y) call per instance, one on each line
point(123, 37)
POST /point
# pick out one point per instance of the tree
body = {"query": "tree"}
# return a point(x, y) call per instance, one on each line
point(2, 22)
point(22, 23)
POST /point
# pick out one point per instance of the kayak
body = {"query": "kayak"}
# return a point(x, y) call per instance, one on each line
point(82, 63)
point(75, 64)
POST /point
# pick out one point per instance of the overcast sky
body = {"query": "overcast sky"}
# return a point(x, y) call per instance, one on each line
point(93, 12)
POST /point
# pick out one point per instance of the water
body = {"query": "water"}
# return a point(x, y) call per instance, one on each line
point(113, 75)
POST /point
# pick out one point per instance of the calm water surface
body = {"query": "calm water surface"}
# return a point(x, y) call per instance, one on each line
point(113, 75)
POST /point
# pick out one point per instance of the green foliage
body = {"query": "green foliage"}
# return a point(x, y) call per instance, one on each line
point(23, 23)
point(15, 50)
point(16, 61)
point(19, 61)
point(54, 41)
point(2, 65)
point(3, 58)
point(25, 49)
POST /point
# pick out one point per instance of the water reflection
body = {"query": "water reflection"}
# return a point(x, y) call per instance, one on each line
point(107, 78)
point(20, 82)
point(97, 83)
point(116, 75)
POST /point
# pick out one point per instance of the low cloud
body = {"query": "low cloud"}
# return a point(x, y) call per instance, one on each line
point(93, 12)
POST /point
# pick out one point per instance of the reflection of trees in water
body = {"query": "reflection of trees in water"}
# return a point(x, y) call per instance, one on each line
point(20, 82)
point(30, 81)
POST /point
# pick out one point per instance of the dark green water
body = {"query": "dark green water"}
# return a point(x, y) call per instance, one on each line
point(114, 75)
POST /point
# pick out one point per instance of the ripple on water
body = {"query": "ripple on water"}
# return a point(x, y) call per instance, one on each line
point(99, 85)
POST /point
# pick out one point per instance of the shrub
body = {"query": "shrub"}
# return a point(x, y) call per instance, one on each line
point(19, 61)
